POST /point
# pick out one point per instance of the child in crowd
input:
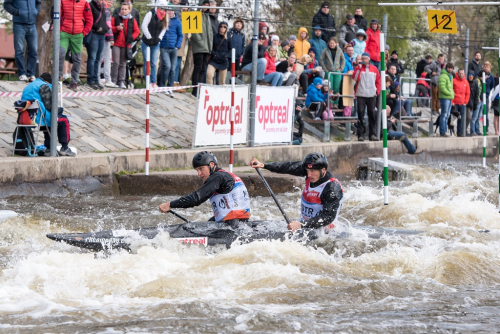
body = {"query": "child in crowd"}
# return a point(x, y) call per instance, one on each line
point(422, 90)
point(125, 30)
point(360, 43)
point(315, 99)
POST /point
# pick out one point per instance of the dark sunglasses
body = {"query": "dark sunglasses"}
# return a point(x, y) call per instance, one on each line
point(325, 7)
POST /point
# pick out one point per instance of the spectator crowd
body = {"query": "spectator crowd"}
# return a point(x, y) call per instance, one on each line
point(334, 69)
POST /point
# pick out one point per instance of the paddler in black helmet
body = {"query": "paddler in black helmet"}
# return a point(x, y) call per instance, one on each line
point(227, 193)
point(322, 194)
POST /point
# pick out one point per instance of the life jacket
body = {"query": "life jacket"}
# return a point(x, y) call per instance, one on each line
point(32, 92)
point(311, 200)
point(233, 205)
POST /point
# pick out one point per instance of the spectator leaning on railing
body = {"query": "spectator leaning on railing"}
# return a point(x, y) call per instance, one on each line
point(24, 13)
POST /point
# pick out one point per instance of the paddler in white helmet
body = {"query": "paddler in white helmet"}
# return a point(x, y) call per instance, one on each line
point(322, 195)
point(227, 193)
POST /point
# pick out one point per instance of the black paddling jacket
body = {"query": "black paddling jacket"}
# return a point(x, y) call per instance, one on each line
point(221, 183)
point(331, 196)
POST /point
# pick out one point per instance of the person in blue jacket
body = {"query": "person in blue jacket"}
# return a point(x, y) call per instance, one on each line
point(169, 45)
point(41, 91)
point(24, 13)
point(315, 100)
point(237, 38)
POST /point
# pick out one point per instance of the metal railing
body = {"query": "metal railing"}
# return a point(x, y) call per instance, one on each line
point(409, 97)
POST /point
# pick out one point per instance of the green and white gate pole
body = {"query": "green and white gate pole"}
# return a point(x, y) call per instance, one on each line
point(384, 119)
point(484, 119)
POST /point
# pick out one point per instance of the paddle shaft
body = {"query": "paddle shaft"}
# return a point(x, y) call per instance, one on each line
point(274, 197)
point(179, 216)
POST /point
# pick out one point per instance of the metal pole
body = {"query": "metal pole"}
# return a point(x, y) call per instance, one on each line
point(484, 120)
point(148, 53)
point(382, 78)
point(383, 115)
point(55, 79)
point(466, 67)
point(253, 87)
point(233, 72)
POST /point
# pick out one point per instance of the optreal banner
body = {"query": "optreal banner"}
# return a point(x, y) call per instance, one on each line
point(213, 125)
point(274, 113)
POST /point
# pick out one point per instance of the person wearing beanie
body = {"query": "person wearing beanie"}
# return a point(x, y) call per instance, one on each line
point(246, 63)
point(316, 100)
point(302, 45)
point(325, 21)
point(292, 39)
point(367, 79)
point(472, 117)
point(237, 39)
point(283, 50)
point(41, 90)
point(316, 40)
point(373, 43)
point(394, 60)
point(264, 28)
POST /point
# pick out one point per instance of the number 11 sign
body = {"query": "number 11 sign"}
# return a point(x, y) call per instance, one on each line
point(442, 21)
point(191, 23)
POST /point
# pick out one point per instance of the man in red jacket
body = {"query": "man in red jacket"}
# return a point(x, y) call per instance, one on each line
point(462, 92)
point(76, 22)
point(373, 43)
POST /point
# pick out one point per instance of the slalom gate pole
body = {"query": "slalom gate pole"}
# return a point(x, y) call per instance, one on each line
point(233, 71)
point(384, 119)
point(485, 108)
point(148, 52)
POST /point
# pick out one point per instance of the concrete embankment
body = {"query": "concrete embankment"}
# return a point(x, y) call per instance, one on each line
point(91, 173)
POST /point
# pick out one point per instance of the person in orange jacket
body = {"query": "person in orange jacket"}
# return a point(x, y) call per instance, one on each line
point(462, 93)
point(302, 46)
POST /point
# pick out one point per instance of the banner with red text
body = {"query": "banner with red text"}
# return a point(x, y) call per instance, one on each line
point(274, 113)
point(212, 121)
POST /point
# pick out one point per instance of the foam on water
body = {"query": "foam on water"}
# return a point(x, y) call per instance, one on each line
point(265, 285)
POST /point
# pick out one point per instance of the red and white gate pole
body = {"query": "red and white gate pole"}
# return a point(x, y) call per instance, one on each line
point(233, 70)
point(146, 167)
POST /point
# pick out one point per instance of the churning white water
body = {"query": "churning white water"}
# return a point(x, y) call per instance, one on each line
point(443, 280)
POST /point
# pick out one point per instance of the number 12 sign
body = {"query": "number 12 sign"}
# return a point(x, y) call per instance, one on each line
point(191, 23)
point(442, 21)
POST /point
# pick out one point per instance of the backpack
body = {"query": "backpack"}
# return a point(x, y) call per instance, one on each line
point(24, 143)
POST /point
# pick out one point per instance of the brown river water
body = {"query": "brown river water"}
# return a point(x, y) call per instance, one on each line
point(445, 280)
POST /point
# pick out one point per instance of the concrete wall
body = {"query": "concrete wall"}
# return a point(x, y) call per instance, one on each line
point(343, 158)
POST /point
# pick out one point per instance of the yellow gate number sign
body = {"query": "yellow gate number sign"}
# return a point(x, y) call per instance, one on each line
point(442, 21)
point(191, 23)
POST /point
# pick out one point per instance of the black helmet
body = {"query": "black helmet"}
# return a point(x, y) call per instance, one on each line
point(315, 161)
point(203, 159)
